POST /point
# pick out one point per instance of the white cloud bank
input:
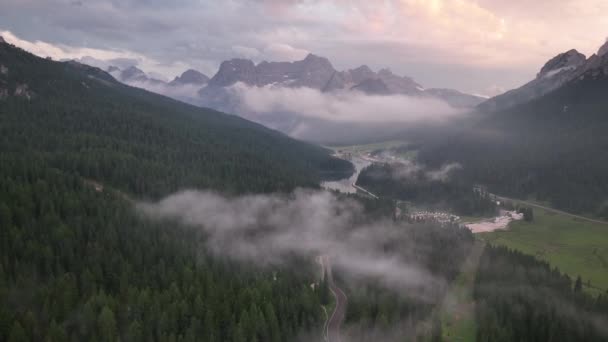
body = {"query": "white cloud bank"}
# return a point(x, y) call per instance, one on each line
point(346, 106)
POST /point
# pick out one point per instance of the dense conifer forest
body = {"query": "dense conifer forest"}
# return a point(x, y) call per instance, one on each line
point(77, 263)
point(454, 192)
point(377, 314)
point(519, 298)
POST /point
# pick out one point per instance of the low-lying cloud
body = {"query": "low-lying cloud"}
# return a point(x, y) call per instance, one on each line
point(343, 106)
point(269, 229)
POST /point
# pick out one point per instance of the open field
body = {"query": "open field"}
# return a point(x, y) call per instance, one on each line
point(575, 246)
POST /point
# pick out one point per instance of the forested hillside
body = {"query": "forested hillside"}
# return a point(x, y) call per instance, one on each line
point(377, 314)
point(81, 121)
point(77, 264)
point(552, 149)
point(454, 193)
point(522, 299)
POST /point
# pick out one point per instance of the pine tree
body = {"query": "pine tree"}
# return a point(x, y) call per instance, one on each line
point(578, 285)
point(17, 333)
point(106, 324)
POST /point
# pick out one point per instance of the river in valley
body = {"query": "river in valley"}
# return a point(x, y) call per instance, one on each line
point(346, 185)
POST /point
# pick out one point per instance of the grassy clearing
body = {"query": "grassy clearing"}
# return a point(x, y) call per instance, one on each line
point(458, 307)
point(575, 246)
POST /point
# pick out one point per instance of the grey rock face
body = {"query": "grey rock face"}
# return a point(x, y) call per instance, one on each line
point(133, 73)
point(562, 62)
point(372, 86)
point(361, 74)
point(235, 70)
point(2, 40)
point(603, 50)
point(312, 72)
point(191, 77)
point(398, 84)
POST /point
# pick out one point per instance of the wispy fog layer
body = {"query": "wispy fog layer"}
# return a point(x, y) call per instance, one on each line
point(443, 173)
point(408, 169)
point(268, 229)
point(344, 106)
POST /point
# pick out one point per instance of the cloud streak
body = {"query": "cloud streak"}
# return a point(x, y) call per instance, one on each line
point(269, 229)
point(347, 106)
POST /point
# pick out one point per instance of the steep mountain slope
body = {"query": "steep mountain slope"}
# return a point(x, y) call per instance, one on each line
point(75, 111)
point(552, 147)
point(555, 73)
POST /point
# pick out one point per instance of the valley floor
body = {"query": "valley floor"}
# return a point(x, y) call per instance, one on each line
point(576, 246)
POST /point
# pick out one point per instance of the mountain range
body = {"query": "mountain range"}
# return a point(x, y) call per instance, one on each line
point(239, 81)
point(312, 72)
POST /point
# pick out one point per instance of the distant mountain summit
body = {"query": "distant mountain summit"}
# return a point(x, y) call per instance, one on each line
point(603, 50)
point(567, 67)
point(133, 73)
point(234, 70)
point(563, 62)
point(556, 72)
point(190, 77)
point(373, 86)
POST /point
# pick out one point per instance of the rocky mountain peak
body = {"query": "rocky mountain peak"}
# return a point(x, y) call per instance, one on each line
point(362, 68)
point(372, 86)
point(190, 76)
point(2, 40)
point(569, 60)
point(361, 73)
point(314, 58)
point(385, 73)
point(603, 50)
point(233, 71)
point(132, 73)
point(316, 62)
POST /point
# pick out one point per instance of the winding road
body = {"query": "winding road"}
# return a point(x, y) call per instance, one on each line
point(332, 333)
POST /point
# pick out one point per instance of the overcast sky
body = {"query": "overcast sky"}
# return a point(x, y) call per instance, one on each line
point(472, 45)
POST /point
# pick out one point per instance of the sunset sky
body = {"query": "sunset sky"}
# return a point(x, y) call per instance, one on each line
point(478, 46)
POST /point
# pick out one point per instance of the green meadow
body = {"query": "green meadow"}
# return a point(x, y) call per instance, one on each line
point(575, 246)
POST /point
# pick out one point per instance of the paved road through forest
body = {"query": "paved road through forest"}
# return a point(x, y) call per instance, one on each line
point(337, 316)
